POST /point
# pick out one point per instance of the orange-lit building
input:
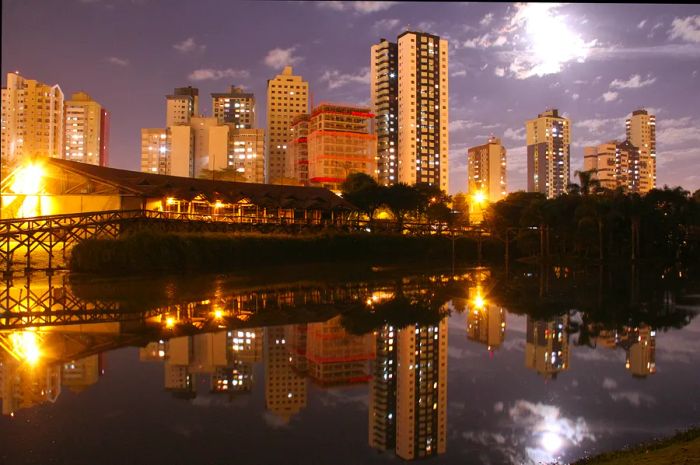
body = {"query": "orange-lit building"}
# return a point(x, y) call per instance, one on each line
point(547, 346)
point(298, 150)
point(340, 142)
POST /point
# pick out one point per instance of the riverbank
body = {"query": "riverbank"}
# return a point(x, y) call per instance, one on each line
point(147, 252)
point(681, 449)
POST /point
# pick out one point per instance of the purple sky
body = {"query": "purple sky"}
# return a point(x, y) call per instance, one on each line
point(600, 63)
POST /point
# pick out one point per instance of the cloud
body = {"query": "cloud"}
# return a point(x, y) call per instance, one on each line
point(633, 397)
point(461, 124)
point(500, 72)
point(642, 23)
point(634, 82)
point(575, 96)
point(687, 29)
point(356, 7)
point(461, 72)
point(118, 61)
point(278, 58)
point(609, 383)
point(386, 24)
point(336, 79)
point(209, 74)
point(486, 20)
point(189, 45)
point(514, 134)
point(675, 131)
point(595, 125)
point(610, 96)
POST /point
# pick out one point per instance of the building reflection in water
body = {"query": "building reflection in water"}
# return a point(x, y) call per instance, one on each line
point(547, 346)
point(408, 392)
point(639, 344)
point(486, 322)
point(285, 388)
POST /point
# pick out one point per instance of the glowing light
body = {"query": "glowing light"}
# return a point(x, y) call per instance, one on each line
point(218, 314)
point(169, 322)
point(551, 441)
point(27, 180)
point(25, 345)
point(170, 201)
point(551, 43)
point(218, 204)
point(479, 197)
point(479, 301)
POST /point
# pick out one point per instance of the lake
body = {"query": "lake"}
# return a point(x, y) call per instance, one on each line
point(356, 366)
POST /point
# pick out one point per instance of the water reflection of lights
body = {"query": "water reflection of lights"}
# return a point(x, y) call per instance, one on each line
point(24, 346)
point(551, 441)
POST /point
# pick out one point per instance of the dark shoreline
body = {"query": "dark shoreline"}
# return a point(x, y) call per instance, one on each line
point(147, 252)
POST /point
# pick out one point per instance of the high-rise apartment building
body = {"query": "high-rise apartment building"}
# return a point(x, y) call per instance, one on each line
point(384, 87)
point(641, 132)
point(154, 151)
point(235, 107)
point(86, 129)
point(620, 164)
point(181, 105)
point(192, 143)
point(486, 325)
point(423, 143)
point(32, 120)
point(287, 96)
point(298, 150)
point(486, 170)
point(382, 391)
point(641, 352)
point(246, 153)
point(339, 144)
point(548, 149)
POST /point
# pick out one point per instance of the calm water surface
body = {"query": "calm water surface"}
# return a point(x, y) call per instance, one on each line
point(365, 366)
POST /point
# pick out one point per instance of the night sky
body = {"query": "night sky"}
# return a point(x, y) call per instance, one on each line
point(596, 63)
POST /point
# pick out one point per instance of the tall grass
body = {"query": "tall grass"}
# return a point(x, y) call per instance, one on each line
point(148, 252)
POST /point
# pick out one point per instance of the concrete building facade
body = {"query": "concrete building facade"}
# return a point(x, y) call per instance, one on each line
point(298, 150)
point(86, 130)
point(235, 107)
point(423, 109)
point(287, 96)
point(340, 143)
point(548, 153)
point(384, 75)
point(181, 105)
point(640, 128)
point(486, 170)
point(32, 120)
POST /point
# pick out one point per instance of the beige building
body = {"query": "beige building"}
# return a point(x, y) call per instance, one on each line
point(641, 354)
point(423, 109)
point(298, 150)
point(620, 164)
point(548, 151)
point(181, 105)
point(287, 96)
point(486, 170)
point(154, 151)
point(384, 75)
point(382, 391)
point(32, 120)
point(246, 153)
point(421, 394)
point(86, 130)
point(641, 132)
point(235, 107)
point(339, 144)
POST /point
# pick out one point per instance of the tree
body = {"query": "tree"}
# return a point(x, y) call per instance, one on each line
point(401, 199)
point(363, 191)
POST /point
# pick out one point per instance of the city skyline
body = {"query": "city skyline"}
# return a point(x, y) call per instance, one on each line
point(617, 59)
